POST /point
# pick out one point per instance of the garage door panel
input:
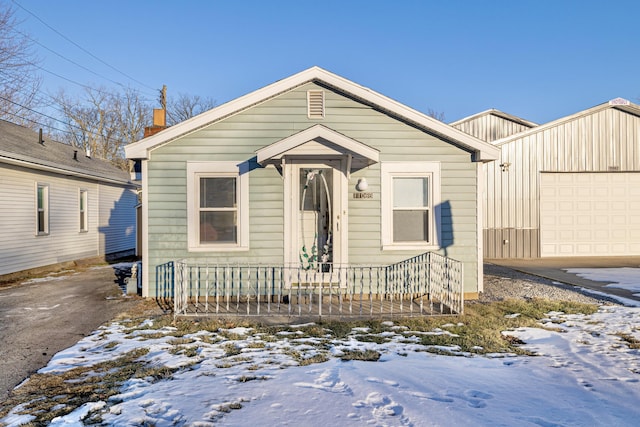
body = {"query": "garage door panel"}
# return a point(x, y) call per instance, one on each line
point(586, 235)
point(617, 205)
point(566, 234)
point(584, 214)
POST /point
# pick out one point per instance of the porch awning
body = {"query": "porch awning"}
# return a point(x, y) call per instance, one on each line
point(318, 141)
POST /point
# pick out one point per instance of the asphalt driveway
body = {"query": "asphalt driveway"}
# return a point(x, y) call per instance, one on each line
point(42, 317)
point(555, 269)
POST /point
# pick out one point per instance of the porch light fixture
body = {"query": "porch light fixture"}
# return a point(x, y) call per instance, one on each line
point(362, 184)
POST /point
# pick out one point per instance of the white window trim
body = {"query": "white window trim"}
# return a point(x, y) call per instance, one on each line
point(197, 170)
point(390, 170)
point(85, 214)
point(45, 208)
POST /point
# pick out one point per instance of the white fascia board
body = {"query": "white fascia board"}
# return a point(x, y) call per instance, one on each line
point(140, 149)
point(483, 150)
point(279, 148)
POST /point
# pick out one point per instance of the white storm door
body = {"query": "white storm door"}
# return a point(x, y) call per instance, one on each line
point(315, 214)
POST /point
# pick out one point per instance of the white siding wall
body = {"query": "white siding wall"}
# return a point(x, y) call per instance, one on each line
point(117, 220)
point(20, 246)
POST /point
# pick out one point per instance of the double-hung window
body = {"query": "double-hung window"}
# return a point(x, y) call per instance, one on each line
point(42, 209)
point(218, 206)
point(83, 210)
point(410, 205)
point(218, 209)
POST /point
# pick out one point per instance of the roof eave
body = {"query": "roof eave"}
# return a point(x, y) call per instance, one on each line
point(44, 166)
point(497, 113)
point(588, 111)
point(142, 148)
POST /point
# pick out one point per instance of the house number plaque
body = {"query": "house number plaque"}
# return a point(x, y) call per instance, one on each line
point(363, 195)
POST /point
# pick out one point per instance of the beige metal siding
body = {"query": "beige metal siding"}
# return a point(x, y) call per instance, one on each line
point(239, 136)
point(601, 141)
point(490, 127)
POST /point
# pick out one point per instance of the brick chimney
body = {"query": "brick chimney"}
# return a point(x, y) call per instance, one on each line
point(159, 116)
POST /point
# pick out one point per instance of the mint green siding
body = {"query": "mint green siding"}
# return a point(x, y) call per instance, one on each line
point(237, 138)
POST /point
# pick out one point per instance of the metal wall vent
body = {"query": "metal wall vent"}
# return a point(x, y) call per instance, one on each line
point(315, 104)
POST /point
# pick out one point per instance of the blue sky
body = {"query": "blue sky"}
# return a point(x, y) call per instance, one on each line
point(539, 60)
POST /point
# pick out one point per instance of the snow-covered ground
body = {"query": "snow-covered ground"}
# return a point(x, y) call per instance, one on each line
point(585, 375)
point(626, 278)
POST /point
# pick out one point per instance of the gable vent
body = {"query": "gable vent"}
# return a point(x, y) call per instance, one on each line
point(315, 104)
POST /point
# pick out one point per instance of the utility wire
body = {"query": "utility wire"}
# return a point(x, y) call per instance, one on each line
point(83, 85)
point(52, 118)
point(80, 47)
point(70, 60)
point(38, 123)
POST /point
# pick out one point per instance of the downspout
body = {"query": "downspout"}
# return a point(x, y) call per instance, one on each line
point(480, 224)
point(145, 229)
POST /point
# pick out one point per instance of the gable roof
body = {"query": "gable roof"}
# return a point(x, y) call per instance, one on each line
point(497, 113)
point(620, 104)
point(323, 136)
point(20, 146)
point(482, 151)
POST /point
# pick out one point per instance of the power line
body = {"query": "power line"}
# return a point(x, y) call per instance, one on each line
point(70, 60)
point(37, 122)
point(80, 47)
point(80, 84)
point(52, 118)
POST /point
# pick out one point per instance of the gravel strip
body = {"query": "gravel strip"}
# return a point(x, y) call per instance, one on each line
point(502, 283)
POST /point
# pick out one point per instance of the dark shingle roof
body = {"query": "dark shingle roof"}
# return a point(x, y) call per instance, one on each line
point(21, 145)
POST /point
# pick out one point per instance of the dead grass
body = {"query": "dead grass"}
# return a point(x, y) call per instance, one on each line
point(631, 341)
point(362, 355)
point(479, 330)
point(482, 324)
point(47, 396)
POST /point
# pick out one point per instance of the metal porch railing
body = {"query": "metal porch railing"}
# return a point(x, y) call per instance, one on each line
point(427, 284)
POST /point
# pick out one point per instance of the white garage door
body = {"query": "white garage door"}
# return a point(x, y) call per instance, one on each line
point(589, 214)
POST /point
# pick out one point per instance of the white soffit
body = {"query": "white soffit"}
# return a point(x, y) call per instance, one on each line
point(317, 133)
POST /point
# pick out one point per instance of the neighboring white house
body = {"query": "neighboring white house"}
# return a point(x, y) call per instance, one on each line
point(57, 204)
point(570, 187)
point(313, 164)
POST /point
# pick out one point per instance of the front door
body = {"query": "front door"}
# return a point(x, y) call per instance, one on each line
point(315, 221)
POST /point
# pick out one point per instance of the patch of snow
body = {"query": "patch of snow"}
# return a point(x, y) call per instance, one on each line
point(584, 375)
point(625, 278)
point(74, 419)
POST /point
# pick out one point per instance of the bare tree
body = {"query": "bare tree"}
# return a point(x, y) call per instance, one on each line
point(438, 115)
point(186, 106)
point(19, 81)
point(103, 122)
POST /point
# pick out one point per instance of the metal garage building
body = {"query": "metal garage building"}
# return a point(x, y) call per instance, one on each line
point(570, 187)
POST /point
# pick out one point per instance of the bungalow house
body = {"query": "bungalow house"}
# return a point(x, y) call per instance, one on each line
point(58, 204)
point(570, 187)
point(312, 172)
